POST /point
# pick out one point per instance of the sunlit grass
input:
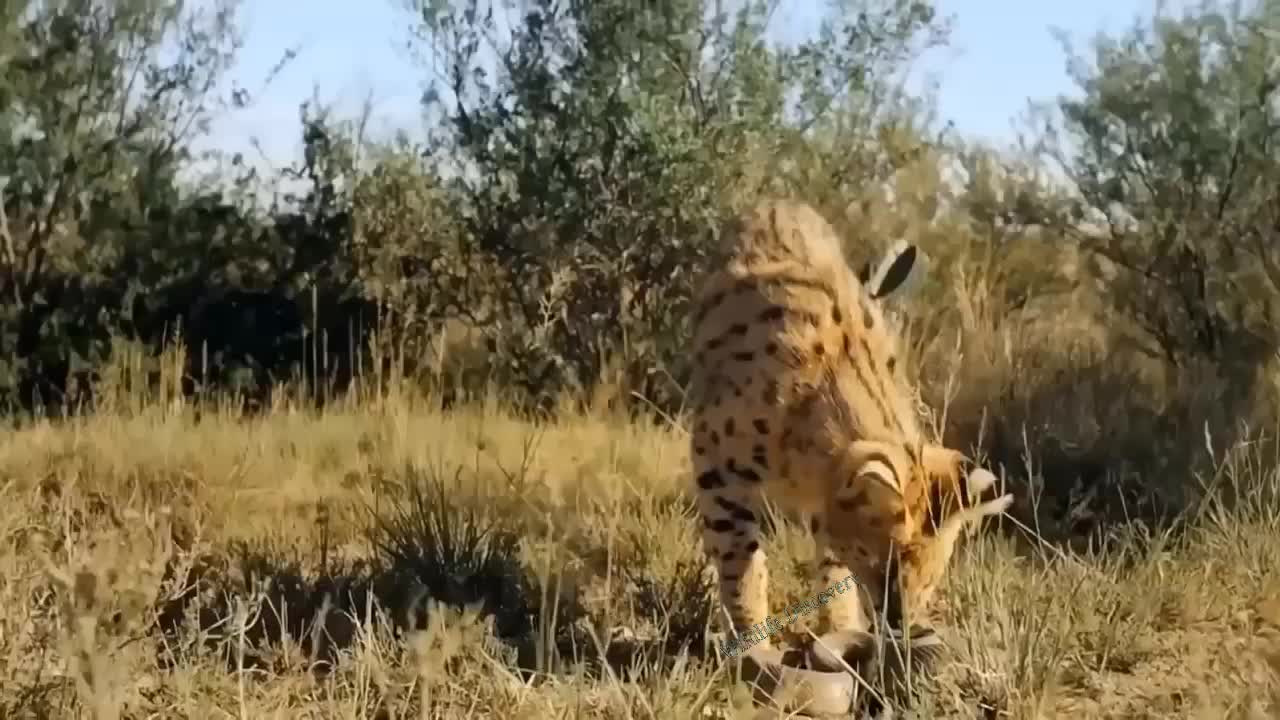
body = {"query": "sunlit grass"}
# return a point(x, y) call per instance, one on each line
point(402, 561)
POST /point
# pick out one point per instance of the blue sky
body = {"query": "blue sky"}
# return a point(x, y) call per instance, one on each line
point(1001, 54)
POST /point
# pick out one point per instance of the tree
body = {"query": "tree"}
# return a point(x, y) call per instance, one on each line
point(99, 101)
point(598, 144)
point(1173, 152)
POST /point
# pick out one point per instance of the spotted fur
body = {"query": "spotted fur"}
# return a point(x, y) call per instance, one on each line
point(798, 395)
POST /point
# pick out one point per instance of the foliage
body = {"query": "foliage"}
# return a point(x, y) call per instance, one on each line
point(98, 103)
point(599, 151)
point(1174, 153)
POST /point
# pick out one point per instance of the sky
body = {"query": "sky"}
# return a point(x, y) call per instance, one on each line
point(1001, 53)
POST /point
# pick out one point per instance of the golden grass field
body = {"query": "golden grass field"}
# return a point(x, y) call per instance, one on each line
point(384, 558)
point(174, 563)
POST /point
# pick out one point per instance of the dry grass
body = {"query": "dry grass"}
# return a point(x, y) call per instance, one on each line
point(393, 561)
point(386, 559)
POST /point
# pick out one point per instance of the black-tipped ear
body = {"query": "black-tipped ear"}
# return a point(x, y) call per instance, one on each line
point(894, 270)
